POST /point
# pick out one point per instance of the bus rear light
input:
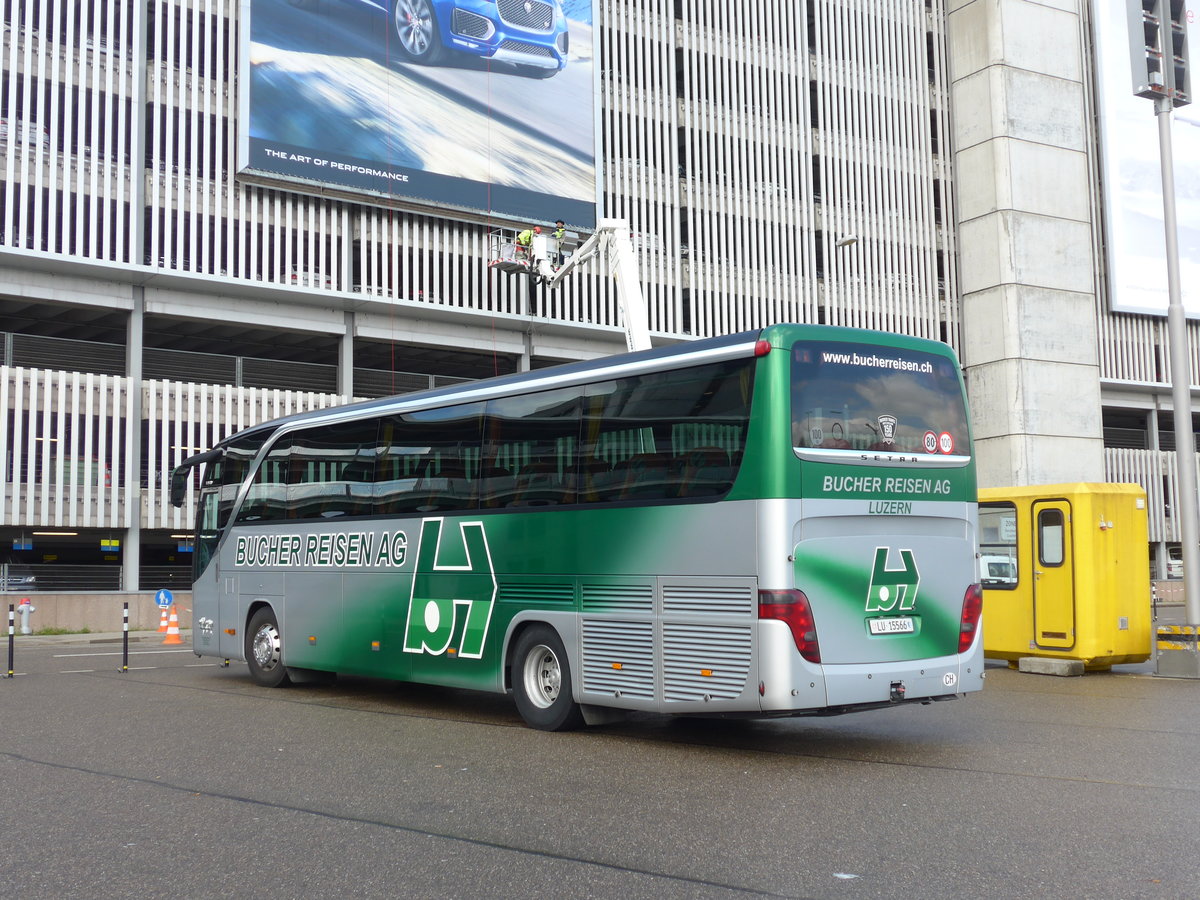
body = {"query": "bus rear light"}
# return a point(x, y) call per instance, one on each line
point(762, 348)
point(972, 611)
point(792, 607)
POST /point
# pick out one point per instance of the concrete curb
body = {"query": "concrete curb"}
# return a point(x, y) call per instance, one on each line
point(107, 637)
point(1037, 665)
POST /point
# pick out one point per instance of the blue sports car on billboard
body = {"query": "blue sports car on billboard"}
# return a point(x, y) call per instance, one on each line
point(528, 34)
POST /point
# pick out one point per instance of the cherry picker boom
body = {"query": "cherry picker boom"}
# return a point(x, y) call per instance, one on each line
point(610, 241)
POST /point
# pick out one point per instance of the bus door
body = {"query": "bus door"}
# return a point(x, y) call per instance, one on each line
point(229, 625)
point(1053, 575)
point(210, 614)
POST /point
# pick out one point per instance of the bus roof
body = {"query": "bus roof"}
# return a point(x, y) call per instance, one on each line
point(661, 358)
point(675, 356)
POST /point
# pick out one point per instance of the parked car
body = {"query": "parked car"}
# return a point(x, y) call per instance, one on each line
point(15, 579)
point(26, 132)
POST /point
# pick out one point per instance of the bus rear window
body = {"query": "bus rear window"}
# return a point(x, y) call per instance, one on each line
point(859, 397)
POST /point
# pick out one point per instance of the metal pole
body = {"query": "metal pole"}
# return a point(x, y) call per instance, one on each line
point(12, 630)
point(1181, 379)
point(125, 637)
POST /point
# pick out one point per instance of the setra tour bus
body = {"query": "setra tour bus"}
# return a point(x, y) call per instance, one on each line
point(774, 523)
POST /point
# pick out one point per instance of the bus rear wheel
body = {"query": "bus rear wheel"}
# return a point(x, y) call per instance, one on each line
point(541, 680)
point(264, 649)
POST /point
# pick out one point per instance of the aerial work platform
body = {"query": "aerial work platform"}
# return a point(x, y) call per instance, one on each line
point(549, 260)
point(542, 258)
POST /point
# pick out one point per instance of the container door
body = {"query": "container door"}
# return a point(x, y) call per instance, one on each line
point(1053, 575)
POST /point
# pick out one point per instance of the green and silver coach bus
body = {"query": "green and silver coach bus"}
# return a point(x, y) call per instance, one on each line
point(774, 523)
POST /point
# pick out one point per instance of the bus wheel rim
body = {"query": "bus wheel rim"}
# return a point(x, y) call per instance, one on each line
point(543, 676)
point(266, 647)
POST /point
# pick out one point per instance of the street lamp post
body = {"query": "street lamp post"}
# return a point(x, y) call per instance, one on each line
point(1158, 53)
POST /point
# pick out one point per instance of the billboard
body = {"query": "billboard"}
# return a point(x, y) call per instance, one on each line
point(477, 109)
point(1132, 175)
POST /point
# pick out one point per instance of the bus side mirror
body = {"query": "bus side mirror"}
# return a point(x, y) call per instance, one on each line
point(182, 472)
point(179, 479)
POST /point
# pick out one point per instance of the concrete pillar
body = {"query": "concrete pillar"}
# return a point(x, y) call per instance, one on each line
point(525, 361)
point(131, 549)
point(345, 378)
point(1026, 239)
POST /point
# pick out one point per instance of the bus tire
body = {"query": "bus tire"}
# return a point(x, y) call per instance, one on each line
point(541, 681)
point(264, 649)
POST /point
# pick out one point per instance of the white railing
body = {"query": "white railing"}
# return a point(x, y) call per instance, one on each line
point(66, 447)
point(1155, 471)
point(63, 447)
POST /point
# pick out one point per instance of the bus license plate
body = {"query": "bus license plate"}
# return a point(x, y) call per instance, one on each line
point(898, 625)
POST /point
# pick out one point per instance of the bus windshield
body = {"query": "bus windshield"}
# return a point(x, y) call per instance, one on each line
point(848, 396)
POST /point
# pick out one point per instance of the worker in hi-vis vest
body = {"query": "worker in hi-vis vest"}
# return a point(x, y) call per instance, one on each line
point(525, 240)
point(559, 232)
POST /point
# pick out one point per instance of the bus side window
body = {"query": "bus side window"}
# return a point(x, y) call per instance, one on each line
point(706, 471)
point(231, 470)
point(497, 486)
point(267, 498)
point(669, 435)
point(332, 470)
point(534, 437)
point(429, 460)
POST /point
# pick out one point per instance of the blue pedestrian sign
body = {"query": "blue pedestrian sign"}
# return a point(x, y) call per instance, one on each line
point(164, 599)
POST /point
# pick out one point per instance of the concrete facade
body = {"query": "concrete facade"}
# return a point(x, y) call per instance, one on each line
point(1027, 240)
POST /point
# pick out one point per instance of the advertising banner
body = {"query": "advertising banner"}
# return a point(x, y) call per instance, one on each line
point(482, 109)
point(1132, 176)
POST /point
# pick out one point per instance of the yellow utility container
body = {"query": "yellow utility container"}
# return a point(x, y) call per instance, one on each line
point(1065, 570)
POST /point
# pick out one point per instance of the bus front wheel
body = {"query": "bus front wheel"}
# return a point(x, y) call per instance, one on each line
point(264, 649)
point(541, 680)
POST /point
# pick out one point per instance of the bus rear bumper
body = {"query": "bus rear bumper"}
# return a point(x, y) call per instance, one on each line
point(790, 685)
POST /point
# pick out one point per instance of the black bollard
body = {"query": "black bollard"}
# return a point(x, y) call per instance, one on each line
point(125, 637)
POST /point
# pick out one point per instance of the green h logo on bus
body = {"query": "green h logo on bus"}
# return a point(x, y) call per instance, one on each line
point(893, 588)
point(441, 590)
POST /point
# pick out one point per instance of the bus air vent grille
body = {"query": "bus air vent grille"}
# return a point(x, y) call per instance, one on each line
point(537, 594)
point(724, 601)
point(617, 597)
point(618, 657)
point(705, 661)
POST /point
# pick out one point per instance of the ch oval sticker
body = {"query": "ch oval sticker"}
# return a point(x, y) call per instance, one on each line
point(949, 679)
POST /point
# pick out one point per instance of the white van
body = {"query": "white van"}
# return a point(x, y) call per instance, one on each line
point(1175, 562)
point(997, 571)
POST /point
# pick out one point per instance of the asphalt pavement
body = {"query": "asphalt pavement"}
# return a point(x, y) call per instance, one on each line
point(183, 778)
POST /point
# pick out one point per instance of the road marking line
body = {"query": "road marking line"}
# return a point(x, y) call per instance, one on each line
point(116, 653)
point(200, 665)
point(76, 671)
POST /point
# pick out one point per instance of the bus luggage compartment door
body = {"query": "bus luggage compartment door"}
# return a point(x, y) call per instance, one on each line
point(707, 634)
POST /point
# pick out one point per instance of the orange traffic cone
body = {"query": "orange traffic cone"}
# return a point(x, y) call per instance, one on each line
point(162, 622)
point(173, 629)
